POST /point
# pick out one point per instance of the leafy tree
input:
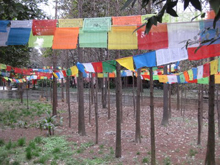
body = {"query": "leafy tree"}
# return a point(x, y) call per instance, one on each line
point(18, 10)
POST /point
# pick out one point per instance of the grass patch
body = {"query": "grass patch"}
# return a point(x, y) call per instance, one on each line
point(21, 142)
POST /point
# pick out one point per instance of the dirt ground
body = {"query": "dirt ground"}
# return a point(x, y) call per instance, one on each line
point(176, 143)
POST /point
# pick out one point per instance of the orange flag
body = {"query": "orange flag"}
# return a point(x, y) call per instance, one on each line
point(65, 38)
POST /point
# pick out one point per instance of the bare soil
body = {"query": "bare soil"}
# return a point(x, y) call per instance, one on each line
point(176, 142)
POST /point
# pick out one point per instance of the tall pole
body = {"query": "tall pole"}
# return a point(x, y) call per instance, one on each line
point(54, 78)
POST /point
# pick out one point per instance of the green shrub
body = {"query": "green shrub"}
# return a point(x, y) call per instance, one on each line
point(21, 142)
point(28, 153)
point(145, 160)
point(8, 146)
point(56, 150)
point(38, 139)
point(2, 142)
point(32, 145)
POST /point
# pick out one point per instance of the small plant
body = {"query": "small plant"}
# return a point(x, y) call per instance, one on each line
point(32, 145)
point(28, 153)
point(91, 151)
point(100, 152)
point(21, 142)
point(15, 163)
point(42, 159)
point(48, 123)
point(167, 161)
point(145, 160)
point(138, 153)
point(56, 150)
point(8, 146)
point(38, 139)
point(101, 146)
point(2, 142)
point(112, 151)
point(192, 152)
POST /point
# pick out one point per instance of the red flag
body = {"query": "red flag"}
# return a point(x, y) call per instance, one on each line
point(206, 70)
point(97, 67)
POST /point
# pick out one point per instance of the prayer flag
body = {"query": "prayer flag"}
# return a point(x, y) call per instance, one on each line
point(97, 67)
point(203, 80)
point(89, 67)
point(172, 79)
point(4, 25)
point(4, 37)
point(76, 22)
point(182, 78)
point(206, 50)
point(217, 79)
point(122, 38)
point(194, 73)
point(126, 62)
point(100, 24)
point(145, 60)
point(200, 72)
point(40, 41)
point(55, 75)
point(190, 73)
point(21, 24)
point(109, 66)
point(185, 73)
point(65, 38)
point(93, 39)
point(214, 67)
point(206, 70)
point(166, 56)
point(180, 32)
point(18, 36)
point(157, 38)
point(163, 78)
point(74, 70)
point(127, 20)
point(44, 27)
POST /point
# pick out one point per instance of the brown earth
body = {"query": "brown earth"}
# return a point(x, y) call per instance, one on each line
point(176, 142)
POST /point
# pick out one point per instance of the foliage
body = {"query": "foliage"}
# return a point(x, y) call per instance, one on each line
point(168, 8)
point(21, 142)
point(145, 160)
point(48, 123)
point(14, 114)
point(18, 56)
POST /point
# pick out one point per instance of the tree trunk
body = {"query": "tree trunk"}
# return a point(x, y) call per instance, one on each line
point(90, 98)
point(62, 90)
point(218, 112)
point(178, 96)
point(27, 87)
point(92, 90)
point(118, 93)
point(104, 92)
point(152, 129)
point(199, 116)
point(54, 85)
point(165, 101)
point(133, 93)
point(96, 111)
point(170, 85)
point(138, 126)
point(68, 89)
point(81, 120)
point(109, 110)
point(210, 153)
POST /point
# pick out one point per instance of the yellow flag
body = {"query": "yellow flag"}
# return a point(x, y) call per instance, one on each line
point(217, 79)
point(163, 78)
point(78, 22)
point(126, 62)
point(74, 70)
point(54, 74)
point(123, 37)
point(100, 75)
point(214, 67)
point(190, 73)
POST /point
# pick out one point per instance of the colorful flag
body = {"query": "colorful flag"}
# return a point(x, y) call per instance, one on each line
point(44, 27)
point(126, 62)
point(145, 60)
point(127, 20)
point(122, 37)
point(214, 67)
point(65, 38)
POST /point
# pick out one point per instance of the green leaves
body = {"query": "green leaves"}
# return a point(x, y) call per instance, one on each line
point(195, 3)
